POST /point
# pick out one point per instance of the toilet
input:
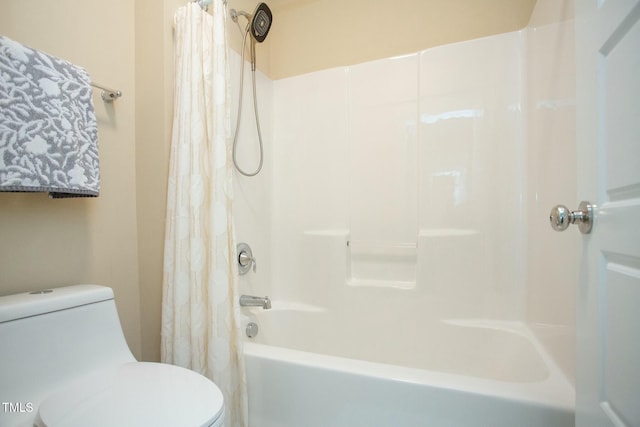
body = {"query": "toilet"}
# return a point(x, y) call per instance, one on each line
point(64, 362)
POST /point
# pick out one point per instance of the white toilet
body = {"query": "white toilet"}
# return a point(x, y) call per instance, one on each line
point(64, 362)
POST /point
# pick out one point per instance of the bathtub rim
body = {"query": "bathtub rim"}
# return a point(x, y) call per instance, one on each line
point(555, 391)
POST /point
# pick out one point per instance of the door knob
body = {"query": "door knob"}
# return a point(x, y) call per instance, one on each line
point(561, 217)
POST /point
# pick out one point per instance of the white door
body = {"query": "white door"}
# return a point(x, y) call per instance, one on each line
point(608, 133)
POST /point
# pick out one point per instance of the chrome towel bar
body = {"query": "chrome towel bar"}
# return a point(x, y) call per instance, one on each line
point(107, 95)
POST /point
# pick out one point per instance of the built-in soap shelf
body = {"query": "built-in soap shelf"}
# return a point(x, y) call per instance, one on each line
point(339, 258)
point(382, 264)
point(340, 233)
point(447, 232)
point(377, 249)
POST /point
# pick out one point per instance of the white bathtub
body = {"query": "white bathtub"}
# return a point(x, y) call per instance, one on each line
point(309, 367)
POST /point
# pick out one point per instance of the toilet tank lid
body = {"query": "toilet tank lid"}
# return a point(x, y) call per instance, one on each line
point(28, 304)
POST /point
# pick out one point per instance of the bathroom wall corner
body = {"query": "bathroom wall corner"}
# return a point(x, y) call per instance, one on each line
point(154, 111)
point(552, 178)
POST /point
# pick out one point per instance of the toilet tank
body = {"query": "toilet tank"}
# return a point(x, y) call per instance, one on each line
point(50, 338)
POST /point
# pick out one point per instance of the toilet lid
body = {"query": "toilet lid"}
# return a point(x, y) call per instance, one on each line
point(135, 394)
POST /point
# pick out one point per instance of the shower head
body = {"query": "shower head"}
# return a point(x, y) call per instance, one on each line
point(261, 22)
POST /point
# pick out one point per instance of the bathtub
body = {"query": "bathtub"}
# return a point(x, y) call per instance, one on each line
point(310, 367)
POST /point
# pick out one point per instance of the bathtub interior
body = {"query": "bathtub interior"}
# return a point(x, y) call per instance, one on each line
point(495, 350)
point(365, 366)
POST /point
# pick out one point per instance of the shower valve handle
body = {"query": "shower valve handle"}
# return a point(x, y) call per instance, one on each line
point(246, 260)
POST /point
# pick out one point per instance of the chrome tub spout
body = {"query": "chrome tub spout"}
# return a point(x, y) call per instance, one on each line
point(251, 301)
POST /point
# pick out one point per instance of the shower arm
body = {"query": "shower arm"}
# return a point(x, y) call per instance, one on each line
point(235, 13)
point(234, 17)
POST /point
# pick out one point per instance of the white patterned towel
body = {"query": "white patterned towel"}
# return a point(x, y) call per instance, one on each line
point(48, 128)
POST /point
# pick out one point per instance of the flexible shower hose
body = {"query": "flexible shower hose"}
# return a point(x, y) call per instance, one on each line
point(255, 106)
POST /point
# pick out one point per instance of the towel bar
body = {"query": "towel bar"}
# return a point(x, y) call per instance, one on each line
point(107, 95)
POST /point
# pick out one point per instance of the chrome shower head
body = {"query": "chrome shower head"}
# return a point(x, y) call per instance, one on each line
point(261, 22)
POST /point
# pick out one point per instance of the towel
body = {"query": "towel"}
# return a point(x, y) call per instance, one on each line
point(48, 127)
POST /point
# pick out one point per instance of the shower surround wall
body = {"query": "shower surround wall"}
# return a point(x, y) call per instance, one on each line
point(406, 174)
point(252, 195)
point(421, 181)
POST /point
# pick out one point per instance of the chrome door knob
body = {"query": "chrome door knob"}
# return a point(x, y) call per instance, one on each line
point(561, 217)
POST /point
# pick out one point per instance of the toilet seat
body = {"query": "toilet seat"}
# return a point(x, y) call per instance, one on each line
point(137, 394)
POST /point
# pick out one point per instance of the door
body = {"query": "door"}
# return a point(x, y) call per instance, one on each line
point(608, 135)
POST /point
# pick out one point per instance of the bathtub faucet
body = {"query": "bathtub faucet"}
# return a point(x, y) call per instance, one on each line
point(251, 301)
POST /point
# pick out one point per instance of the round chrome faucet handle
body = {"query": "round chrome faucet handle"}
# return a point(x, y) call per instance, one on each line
point(245, 259)
point(561, 217)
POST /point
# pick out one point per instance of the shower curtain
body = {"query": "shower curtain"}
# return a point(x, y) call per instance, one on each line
point(199, 315)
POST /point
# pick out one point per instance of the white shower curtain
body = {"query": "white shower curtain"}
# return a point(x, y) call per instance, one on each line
point(199, 315)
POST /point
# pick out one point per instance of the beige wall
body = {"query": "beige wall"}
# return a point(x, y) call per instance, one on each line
point(45, 242)
point(154, 86)
point(310, 35)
